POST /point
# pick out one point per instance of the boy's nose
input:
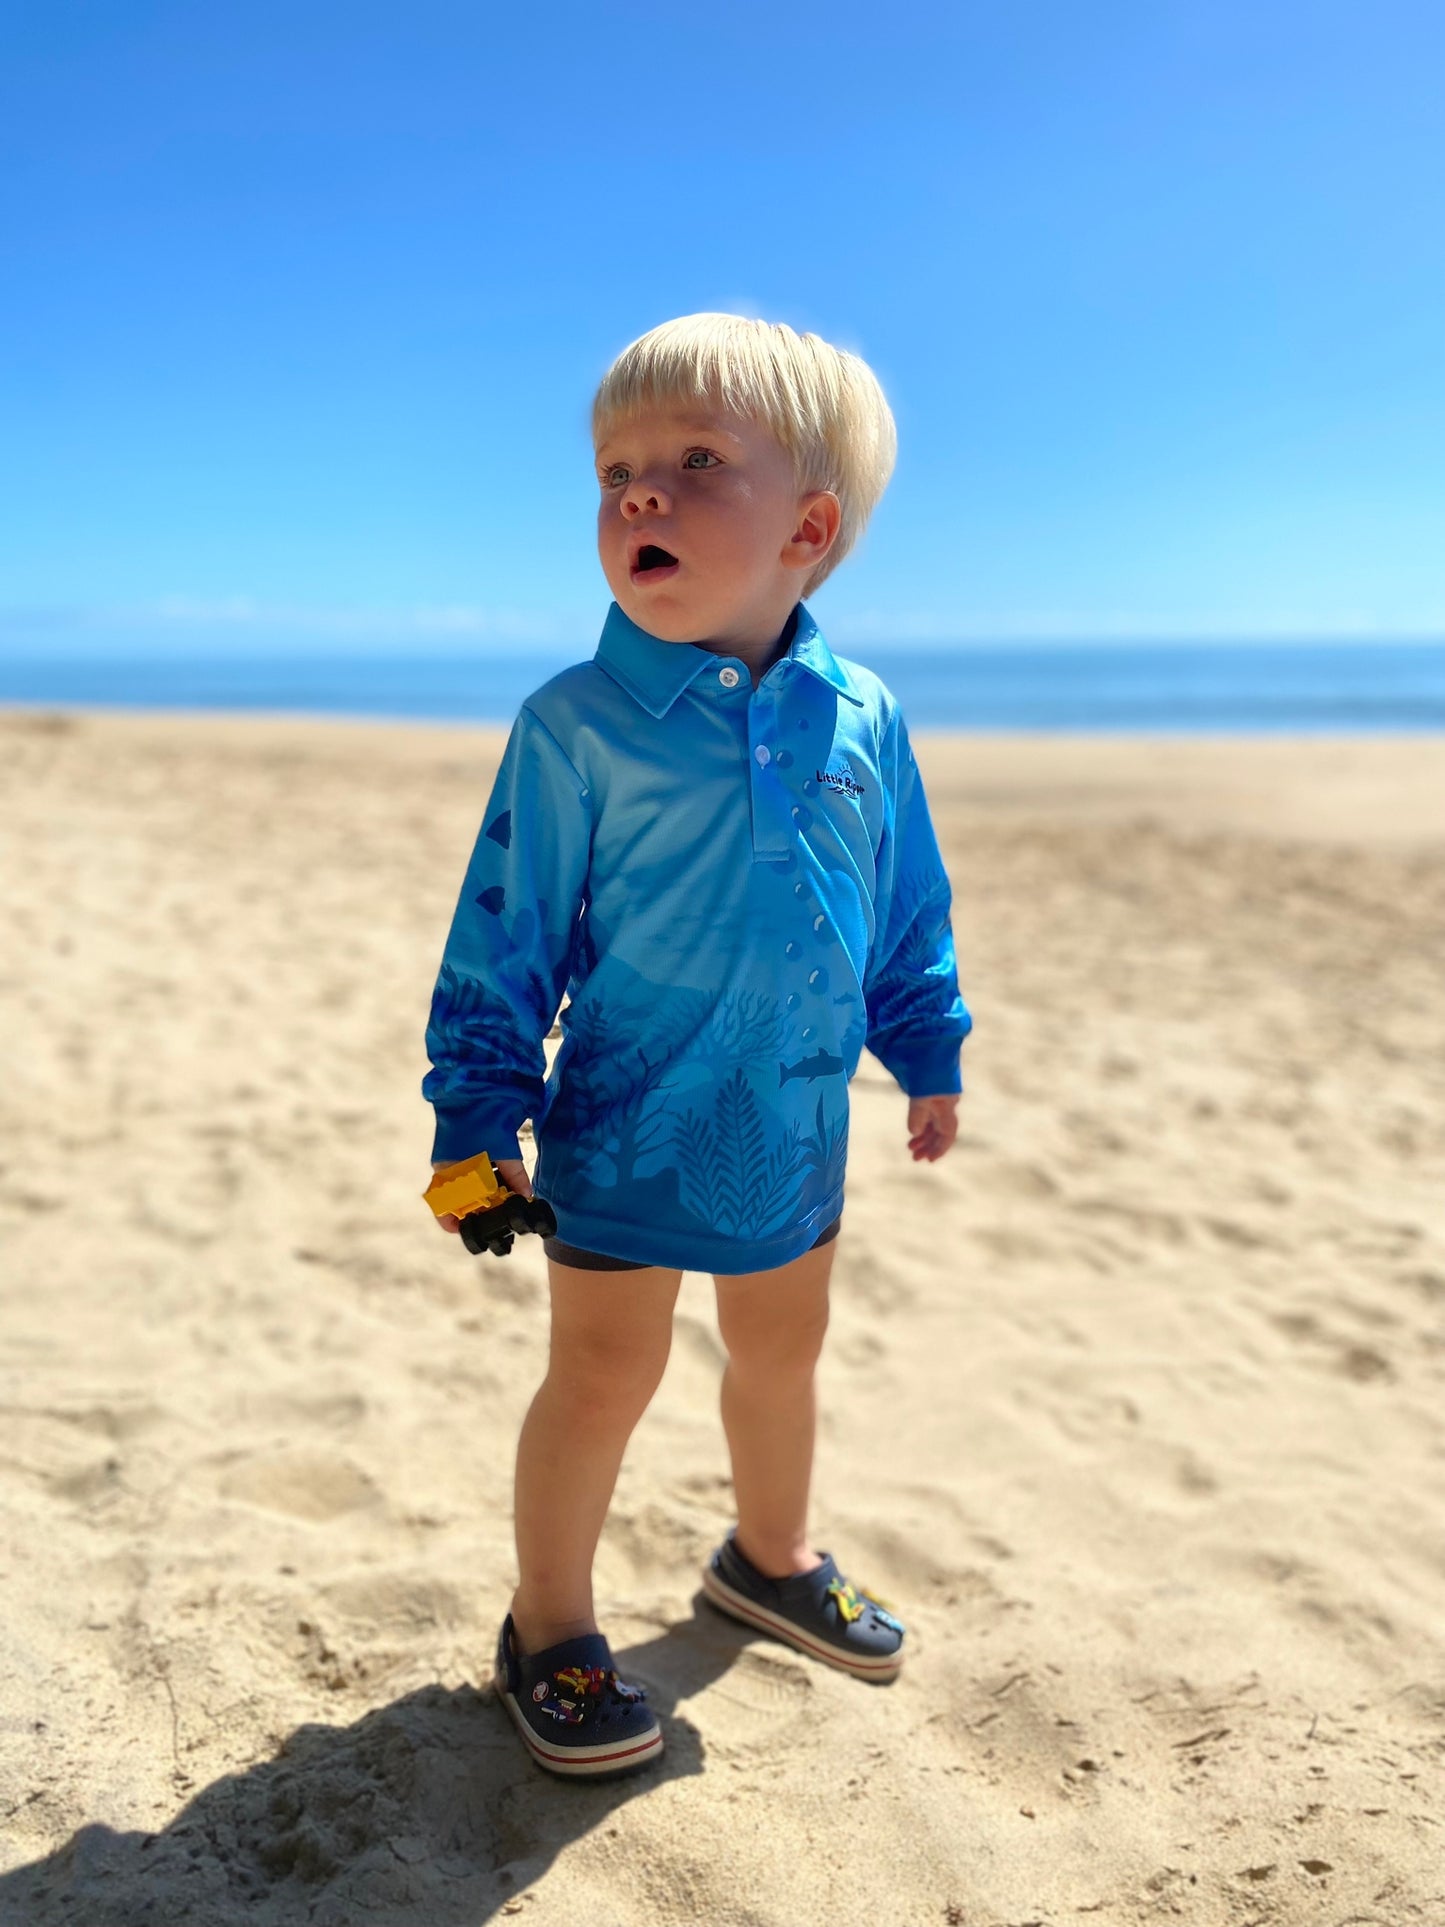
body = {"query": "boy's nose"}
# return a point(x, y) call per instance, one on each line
point(639, 497)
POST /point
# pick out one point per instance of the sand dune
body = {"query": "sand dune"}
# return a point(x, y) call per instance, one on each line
point(1132, 1405)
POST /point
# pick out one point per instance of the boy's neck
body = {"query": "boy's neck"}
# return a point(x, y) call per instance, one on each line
point(759, 656)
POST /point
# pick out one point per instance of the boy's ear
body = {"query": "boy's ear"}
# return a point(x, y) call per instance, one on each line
point(820, 516)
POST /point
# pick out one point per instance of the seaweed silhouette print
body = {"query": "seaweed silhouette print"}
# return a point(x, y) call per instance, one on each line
point(727, 1176)
point(826, 1152)
point(777, 1181)
point(719, 1156)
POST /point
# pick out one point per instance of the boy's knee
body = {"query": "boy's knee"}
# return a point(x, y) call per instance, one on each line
point(775, 1344)
point(606, 1378)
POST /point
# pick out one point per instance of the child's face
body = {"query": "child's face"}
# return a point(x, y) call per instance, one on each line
point(717, 492)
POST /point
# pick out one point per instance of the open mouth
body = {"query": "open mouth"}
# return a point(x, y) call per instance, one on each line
point(653, 563)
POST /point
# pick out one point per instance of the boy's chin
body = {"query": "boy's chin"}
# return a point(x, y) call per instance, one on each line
point(662, 616)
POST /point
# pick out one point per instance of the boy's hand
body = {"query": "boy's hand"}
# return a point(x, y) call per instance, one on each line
point(932, 1125)
point(511, 1171)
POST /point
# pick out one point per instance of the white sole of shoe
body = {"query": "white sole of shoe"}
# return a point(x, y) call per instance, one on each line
point(739, 1606)
point(615, 1756)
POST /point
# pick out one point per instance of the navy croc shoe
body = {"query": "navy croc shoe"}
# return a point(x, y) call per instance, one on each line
point(573, 1712)
point(817, 1611)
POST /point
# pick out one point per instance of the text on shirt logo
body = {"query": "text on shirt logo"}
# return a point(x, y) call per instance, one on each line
point(843, 780)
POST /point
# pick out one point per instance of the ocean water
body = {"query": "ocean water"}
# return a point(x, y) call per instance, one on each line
point(1294, 688)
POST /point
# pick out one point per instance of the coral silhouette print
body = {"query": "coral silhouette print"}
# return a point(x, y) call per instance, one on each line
point(659, 1088)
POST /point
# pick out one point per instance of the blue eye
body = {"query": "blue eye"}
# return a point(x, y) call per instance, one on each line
point(608, 476)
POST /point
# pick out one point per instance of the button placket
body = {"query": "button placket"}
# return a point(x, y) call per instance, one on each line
point(772, 830)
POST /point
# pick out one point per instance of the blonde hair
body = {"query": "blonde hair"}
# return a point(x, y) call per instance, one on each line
point(822, 404)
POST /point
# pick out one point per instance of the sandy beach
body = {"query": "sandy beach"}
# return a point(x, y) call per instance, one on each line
point(1134, 1405)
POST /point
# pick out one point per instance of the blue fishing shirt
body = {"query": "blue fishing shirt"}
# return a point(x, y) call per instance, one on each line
point(736, 889)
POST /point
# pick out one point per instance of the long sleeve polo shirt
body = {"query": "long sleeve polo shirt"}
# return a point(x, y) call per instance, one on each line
point(737, 889)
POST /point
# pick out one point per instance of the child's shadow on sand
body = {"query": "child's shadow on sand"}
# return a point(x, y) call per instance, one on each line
point(425, 1813)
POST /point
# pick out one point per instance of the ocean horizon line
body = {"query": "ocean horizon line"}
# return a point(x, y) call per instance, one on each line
point(436, 648)
point(1331, 687)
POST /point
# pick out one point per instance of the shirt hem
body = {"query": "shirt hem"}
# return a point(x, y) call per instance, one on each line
point(654, 1245)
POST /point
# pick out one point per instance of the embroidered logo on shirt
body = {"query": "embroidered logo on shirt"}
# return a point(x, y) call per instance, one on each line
point(843, 780)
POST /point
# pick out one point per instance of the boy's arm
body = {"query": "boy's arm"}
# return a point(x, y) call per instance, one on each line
point(508, 954)
point(916, 1018)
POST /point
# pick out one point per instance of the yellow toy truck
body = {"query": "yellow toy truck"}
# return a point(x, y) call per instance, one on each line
point(490, 1214)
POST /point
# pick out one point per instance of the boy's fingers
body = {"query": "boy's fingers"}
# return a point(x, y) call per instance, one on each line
point(932, 1140)
point(510, 1171)
point(513, 1174)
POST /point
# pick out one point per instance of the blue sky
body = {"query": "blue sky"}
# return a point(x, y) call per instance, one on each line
point(304, 306)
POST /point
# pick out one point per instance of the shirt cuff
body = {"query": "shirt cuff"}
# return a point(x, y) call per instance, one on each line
point(930, 1070)
point(461, 1134)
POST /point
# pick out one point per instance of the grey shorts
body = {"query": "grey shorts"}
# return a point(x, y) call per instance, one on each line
point(566, 1254)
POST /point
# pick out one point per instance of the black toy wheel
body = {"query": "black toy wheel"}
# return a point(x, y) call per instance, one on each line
point(495, 1230)
point(543, 1218)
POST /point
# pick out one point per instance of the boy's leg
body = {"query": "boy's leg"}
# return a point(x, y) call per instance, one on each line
point(772, 1324)
point(611, 1331)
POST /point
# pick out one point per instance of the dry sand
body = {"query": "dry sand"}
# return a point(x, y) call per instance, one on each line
point(1133, 1404)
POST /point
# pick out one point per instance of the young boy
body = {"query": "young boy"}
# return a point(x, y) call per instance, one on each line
point(713, 838)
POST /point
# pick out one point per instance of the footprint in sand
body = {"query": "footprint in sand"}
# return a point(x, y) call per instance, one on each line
point(1363, 1363)
point(651, 1542)
point(398, 1602)
point(302, 1485)
point(755, 1706)
point(1010, 1725)
point(859, 1350)
point(873, 1279)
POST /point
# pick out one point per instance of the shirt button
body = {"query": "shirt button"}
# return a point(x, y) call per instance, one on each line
point(728, 677)
point(763, 754)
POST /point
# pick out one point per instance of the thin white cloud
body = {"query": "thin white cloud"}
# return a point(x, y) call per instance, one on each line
point(231, 619)
point(424, 619)
point(922, 629)
point(235, 609)
point(226, 622)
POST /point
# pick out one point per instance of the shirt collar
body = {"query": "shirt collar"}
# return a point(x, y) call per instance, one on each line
point(655, 672)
